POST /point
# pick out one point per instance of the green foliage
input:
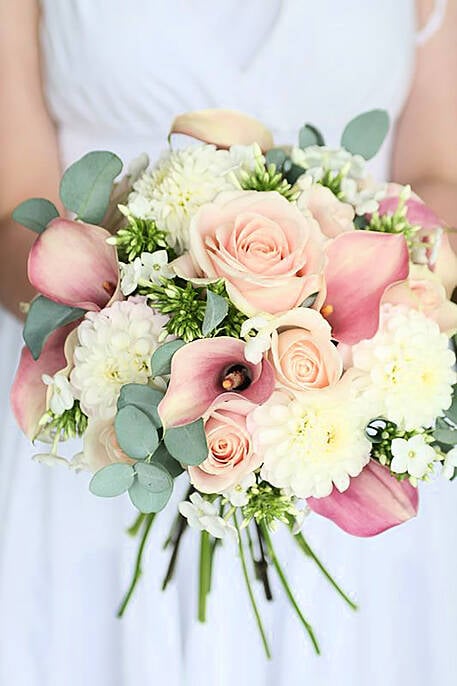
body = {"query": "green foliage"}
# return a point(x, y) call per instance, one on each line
point(86, 185)
point(187, 444)
point(396, 223)
point(147, 500)
point(332, 180)
point(70, 424)
point(35, 214)
point(161, 358)
point(215, 312)
point(382, 432)
point(365, 134)
point(143, 398)
point(136, 433)
point(140, 235)
point(267, 504)
point(112, 480)
point(267, 178)
point(163, 458)
point(309, 135)
point(44, 317)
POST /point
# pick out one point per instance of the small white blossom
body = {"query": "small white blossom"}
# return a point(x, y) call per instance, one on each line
point(238, 495)
point(259, 344)
point(318, 159)
point(300, 516)
point(245, 157)
point(365, 200)
point(450, 463)
point(61, 393)
point(50, 459)
point(412, 456)
point(203, 516)
point(130, 275)
point(150, 266)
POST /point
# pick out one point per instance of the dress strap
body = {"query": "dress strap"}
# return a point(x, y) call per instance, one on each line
point(434, 22)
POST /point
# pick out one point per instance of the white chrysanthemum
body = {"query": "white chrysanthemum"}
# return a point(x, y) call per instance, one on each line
point(318, 159)
point(312, 441)
point(182, 181)
point(409, 368)
point(115, 348)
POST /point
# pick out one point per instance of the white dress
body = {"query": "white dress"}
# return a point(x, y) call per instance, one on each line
point(116, 73)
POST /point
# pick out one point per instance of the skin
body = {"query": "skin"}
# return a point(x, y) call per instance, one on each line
point(424, 151)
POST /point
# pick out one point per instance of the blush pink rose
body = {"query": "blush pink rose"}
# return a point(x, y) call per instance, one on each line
point(332, 215)
point(269, 253)
point(302, 353)
point(231, 455)
point(100, 447)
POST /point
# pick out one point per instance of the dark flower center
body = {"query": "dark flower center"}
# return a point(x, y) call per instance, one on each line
point(236, 378)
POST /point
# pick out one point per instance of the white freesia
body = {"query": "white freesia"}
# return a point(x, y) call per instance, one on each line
point(149, 267)
point(318, 159)
point(408, 367)
point(364, 198)
point(62, 397)
point(238, 495)
point(130, 275)
point(204, 516)
point(259, 344)
point(450, 463)
point(114, 348)
point(413, 456)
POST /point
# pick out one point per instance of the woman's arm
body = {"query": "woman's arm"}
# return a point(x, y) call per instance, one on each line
point(29, 161)
point(425, 152)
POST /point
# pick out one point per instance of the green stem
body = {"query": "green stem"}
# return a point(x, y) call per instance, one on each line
point(214, 545)
point(262, 566)
point(204, 574)
point(176, 540)
point(148, 519)
point(287, 589)
point(134, 529)
point(303, 544)
point(250, 591)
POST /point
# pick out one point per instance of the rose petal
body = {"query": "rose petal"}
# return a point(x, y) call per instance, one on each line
point(374, 502)
point(223, 128)
point(71, 263)
point(360, 266)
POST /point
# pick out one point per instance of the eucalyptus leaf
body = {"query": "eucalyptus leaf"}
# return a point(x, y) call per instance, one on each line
point(365, 134)
point(86, 185)
point(112, 480)
point(276, 156)
point(310, 300)
point(452, 411)
point(446, 436)
point(35, 214)
point(163, 457)
point(187, 444)
point(145, 500)
point(161, 358)
point(144, 398)
point(309, 135)
point(153, 477)
point(44, 317)
point(292, 172)
point(215, 312)
point(135, 431)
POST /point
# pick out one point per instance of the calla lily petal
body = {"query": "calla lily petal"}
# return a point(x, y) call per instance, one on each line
point(223, 128)
point(374, 502)
point(197, 371)
point(361, 265)
point(71, 263)
point(28, 393)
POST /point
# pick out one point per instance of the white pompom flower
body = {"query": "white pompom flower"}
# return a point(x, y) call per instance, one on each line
point(312, 441)
point(408, 366)
point(114, 348)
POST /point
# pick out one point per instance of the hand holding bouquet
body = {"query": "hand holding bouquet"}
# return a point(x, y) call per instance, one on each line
point(271, 326)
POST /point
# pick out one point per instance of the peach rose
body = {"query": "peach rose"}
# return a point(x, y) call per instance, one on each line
point(100, 447)
point(269, 253)
point(332, 215)
point(302, 353)
point(231, 456)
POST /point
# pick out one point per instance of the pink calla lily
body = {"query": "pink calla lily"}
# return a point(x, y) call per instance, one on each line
point(361, 265)
point(28, 393)
point(198, 372)
point(374, 502)
point(71, 263)
point(223, 128)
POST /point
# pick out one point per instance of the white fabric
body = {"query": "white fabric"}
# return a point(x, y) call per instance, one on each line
point(433, 23)
point(116, 74)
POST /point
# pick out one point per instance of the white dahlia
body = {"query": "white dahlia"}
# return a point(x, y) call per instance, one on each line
point(115, 348)
point(312, 441)
point(408, 367)
point(182, 181)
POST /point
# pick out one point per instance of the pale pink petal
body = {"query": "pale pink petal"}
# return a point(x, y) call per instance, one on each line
point(197, 371)
point(375, 501)
point(71, 263)
point(28, 393)
point(223, 128)
point(361, 265)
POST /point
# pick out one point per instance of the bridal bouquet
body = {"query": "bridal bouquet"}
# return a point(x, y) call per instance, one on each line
point(267, 327)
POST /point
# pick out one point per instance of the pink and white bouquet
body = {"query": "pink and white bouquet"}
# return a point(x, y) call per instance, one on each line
point(269, 328)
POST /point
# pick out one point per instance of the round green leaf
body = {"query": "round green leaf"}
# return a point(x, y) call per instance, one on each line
point(86, 185)
point(215, 312)
point(44, 317)
point(365, 134)
point(163, 457)
point(35, 214)
point(309, 135)
point(144, 398)
point(136, 434)
point(161, 358)
point(187, 444)
point(153, 477)
point(276, 156)
point(112, 480)
point(145, 500)
point(446, 436)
